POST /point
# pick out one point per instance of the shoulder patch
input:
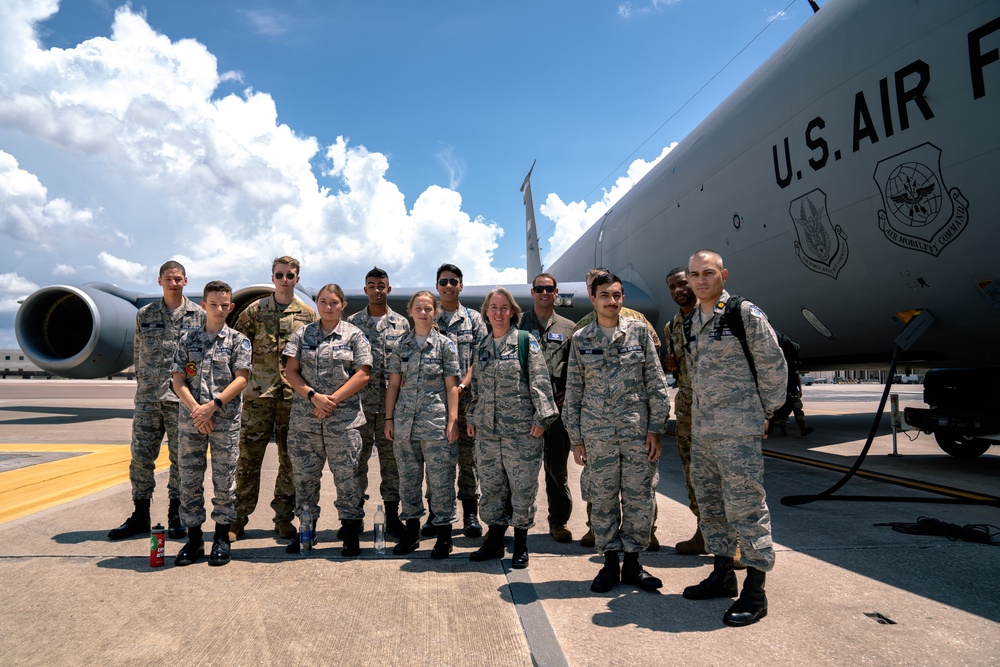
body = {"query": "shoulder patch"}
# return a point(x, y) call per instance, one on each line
point(535, 347)
point(246, 344)
point(756, 312)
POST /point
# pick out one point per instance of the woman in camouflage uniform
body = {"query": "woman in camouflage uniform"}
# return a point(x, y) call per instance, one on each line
point(421, 407)
point(512, 405)
point(327, 363)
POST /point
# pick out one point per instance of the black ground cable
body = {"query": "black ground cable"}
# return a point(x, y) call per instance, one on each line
point(981, 533)
point(828, 494)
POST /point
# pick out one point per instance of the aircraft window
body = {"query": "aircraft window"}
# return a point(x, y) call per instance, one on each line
point(811, 318)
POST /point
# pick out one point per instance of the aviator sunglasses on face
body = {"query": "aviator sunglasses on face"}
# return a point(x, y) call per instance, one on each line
point(538, 289)
point(290, 275)
point(444, 282)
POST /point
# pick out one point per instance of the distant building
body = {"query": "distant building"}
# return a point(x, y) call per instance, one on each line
point(13, 362)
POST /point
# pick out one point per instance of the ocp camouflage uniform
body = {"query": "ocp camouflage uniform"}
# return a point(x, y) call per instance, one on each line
point(728, 412)
point(616, 394)
point(326, 362)
point(465, 328)
point(420, 420)
point(209, 364)
point(383, 334)
point(157, 331)
point(506, 403)
point(268, 403)
point(554, 336)
point(674, 334)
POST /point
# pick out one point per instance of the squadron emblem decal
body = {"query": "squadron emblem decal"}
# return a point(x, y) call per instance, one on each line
point(820, 246)
point(920, 212)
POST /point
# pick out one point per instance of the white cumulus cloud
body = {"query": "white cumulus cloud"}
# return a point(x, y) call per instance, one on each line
point(572, 219)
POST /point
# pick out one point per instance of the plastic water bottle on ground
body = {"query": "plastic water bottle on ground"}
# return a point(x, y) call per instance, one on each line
point(379, 538)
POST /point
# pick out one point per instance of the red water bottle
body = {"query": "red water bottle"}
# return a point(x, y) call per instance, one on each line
point(156, 546)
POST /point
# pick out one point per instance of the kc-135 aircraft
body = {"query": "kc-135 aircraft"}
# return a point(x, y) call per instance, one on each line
point(850, 182)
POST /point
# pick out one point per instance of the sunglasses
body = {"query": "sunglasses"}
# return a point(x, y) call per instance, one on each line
point(444, 282)
point(290, 275)
point(538, 289)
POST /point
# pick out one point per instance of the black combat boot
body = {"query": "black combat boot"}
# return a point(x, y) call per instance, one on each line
point(137, 524)
point(720, 584)
point(492, 546)
point(393, 525)
point(470, 517)
point(352, 530)
point(609, 575)
point(411, 540)
point(752, 603)
point(519, 558)
point(193, 550)
point(221, 548)
point(633, 573)
point(175, 530)
point(429, 529)
point(443, 546)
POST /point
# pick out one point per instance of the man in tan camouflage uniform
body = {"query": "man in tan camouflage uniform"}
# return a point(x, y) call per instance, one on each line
point(383, 328)
point(675, 361)
point(158, 327)
point(730, 407)
point(616, 407)
point(269, 323)
point(554, 333)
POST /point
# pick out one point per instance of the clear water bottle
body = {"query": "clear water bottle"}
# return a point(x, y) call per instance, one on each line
point(305, 532)
point(379, 531)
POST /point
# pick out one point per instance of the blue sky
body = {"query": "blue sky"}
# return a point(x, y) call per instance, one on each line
point(225, 133)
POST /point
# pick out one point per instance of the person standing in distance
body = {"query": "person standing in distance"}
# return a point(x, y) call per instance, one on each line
point(675, 361)
point(158, 327)
point(553, 333)
point(269, 324)
point(730, 409)
point(466, 328)
point(615, 410)
point(383, 328)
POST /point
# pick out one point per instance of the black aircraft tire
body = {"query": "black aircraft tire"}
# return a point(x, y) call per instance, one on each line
point(962, 448)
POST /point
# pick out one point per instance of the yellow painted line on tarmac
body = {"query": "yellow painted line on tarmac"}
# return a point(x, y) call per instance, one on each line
point(884, 477)
point(36, 487)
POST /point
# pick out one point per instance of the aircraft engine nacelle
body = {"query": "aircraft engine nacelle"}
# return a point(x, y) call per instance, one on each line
point(78, 332)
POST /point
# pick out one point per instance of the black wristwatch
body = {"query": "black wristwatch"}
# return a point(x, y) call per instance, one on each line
point(309, 396)
point(217, 401)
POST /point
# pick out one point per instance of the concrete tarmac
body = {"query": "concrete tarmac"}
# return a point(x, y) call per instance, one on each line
point(843, 591)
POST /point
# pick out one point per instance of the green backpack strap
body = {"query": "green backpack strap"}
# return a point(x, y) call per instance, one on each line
point(522, 350)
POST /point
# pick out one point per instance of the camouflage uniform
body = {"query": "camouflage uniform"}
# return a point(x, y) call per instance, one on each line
point(506, 404)
point(590, 318)
point(383, 336)
point(728, 413)
point(268, 403)
point(420, 420)
point(674, 333)
point(465, 328)
point(157, 331)
point(554, 336)
point(209, 364)
point(326, 362)
point(616, 394)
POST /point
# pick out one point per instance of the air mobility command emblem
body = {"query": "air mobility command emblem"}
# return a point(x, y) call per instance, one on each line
point(920, 212)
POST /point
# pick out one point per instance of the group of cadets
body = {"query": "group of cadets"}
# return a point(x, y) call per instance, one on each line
point(446, 402)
